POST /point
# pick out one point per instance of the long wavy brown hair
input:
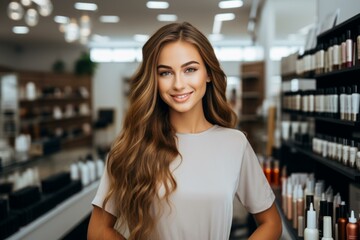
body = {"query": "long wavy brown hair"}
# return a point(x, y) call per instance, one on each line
point(139, 160)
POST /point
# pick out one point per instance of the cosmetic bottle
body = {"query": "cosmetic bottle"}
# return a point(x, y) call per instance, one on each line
point(319, 189)
point(276, 173)
point(289, 205)
point(349, 49)
point(339, 149)
point(283, 195)
point(349, 103)
point(352, 228)
point(309, 200)
point(327, 230)
point(331, 55)
point(352, 154)
point(358, 158)
point(343, 51)
point(342, 221)
point(343, 99)
point(336, 213)
point(320, 59)
point(300, 226)
point(336, 103)
point(345, 152)
point(355, 102)
point(74, 171)
point(336, 55)
point(300, 204)
point(294, 206)
point(311, 232)
point(99, 168)
point(267, 170)
point(322, 213)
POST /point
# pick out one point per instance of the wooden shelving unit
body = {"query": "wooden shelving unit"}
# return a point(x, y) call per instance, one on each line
point(252, 96)
point(56, 90)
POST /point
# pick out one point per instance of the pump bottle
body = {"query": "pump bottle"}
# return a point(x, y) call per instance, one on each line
point(311, 232)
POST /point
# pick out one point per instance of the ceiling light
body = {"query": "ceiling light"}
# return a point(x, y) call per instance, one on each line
point(72, 31)
point(224, 17)
point(26, 3)
point(15, 11)
point(166, 17)
point(61, 19)
point(31, 17)
point(85, 6)
point(230, 4)
point(20, 30)
point(109, 19)
point(141, 37)
point(157, 5)
point(45, 8)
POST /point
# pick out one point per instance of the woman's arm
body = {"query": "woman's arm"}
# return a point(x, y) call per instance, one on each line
point(269, 225)
point(101, 226)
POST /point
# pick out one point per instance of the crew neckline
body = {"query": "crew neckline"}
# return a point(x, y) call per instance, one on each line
point(198, 133)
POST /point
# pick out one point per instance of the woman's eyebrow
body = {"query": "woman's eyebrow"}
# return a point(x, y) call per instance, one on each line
point(183, 65)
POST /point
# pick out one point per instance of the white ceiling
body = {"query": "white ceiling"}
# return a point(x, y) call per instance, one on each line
point(135, 18)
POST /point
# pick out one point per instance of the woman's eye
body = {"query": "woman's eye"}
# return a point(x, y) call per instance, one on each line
point(166, 73)
point(190, 70)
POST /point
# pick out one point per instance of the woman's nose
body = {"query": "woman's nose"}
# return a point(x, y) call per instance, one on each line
point(179, 82)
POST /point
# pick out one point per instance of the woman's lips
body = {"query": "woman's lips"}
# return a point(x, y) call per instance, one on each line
point(180, 98)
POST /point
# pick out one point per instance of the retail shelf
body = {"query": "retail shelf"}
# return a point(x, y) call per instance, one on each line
point(351, 173)
point(53, 120)
point(339, 73)
point(320, 118)
point(61, 219)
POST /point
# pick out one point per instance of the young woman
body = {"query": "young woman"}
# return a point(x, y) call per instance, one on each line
point(178, 163)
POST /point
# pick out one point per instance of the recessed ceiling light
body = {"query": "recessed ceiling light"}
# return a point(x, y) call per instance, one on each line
point(166, 17)
point(141, 37)
point(20, 30)
point(61, 19)
point(85, 6)
point(109, 19)
point(157, 5)
point(231, 4)
point(224, 17)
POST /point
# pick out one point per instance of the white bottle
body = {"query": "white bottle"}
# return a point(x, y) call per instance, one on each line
point(311, 232)
point(99, 168)
point(327, 229)
point(74, 171)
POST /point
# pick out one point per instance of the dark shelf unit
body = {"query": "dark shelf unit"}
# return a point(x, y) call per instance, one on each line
point(299, 157)
point(345, 171)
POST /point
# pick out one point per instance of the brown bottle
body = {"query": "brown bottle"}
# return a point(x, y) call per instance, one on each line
point(352, 228)
point(342, 222)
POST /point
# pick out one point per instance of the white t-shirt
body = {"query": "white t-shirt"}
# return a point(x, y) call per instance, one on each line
point(217, 166)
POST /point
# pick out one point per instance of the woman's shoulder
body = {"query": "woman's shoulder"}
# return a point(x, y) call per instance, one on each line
point(230, 132)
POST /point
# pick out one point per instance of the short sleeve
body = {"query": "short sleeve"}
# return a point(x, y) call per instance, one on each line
point(253, 189)
point(101, 193)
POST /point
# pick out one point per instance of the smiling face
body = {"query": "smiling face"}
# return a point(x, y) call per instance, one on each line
point(182, 78)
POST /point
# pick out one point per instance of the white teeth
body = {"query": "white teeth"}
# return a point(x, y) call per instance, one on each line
point(182, 96)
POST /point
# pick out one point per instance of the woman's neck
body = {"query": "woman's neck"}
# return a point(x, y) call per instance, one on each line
point(189, 123)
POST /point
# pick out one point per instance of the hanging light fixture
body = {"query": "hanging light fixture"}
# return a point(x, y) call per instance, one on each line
point(16, 10)
point(72, 31)
point(31, 17)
